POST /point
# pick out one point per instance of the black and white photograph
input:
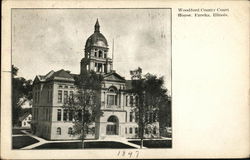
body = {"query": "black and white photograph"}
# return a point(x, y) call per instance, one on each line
point(91, 78)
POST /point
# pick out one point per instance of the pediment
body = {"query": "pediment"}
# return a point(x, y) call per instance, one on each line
point(114, 77)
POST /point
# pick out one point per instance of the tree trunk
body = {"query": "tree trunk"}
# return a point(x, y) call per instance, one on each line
point(82, 143)
point(141, 143)
point(83, 131)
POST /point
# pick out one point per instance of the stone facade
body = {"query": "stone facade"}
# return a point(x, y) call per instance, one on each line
point(52, 121)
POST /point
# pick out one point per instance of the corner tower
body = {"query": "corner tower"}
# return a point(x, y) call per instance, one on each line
point(96, 53)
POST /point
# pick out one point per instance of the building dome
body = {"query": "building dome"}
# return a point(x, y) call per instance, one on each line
point(96, 39)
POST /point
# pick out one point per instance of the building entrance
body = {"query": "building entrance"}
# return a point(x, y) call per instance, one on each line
point(112, 126)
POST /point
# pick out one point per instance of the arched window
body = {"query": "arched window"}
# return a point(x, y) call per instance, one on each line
point(70, 130)
point(58, 131)
point(112, 119)
point(112, 126)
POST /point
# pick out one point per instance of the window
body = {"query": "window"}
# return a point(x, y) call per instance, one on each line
point(70, 115)
point(60, 86)
point(59, 96)
point(130, 130)
point(136, 101)
point(65, 96)
point(105, 55)
point(24, 123)
point(99, 67)
point(58, 131)
point(136, 130)
point(38, 96)
point(48, 96)
point(59, 115)
point(93, 130)
point(95, 52)
point(131, 101)
point(126, 100)
point(154, 131)
point(34, 97)
point(79, 115)
point(29, 118)
point(65, 115)
point(65, 86)
point(131, 117)
point(126, 130)
point(100, 54)
point(70, 130)
point(70, 94)
point(112, 100)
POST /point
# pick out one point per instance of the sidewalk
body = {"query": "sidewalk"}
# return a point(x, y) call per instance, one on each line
point(43, 141)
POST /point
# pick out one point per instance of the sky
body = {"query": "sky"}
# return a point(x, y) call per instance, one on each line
point(54, 39)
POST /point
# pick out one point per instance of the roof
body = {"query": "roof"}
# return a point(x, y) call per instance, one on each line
point(62, 75)
point(24, 116)
point(96, 39)
point(128, 84)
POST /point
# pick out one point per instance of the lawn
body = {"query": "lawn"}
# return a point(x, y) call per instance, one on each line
point(18, 130)
point(154, 143)
point(22, 141)
point(88, 145)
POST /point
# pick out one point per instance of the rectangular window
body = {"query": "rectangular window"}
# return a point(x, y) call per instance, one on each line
point(136, 101)
point(136, 130)
point(70, 115)
point(38, 97)
point(126, 130)
point(59, 115)
point(34, 97)
point(126, 100)
point(130, 130)
point(48, 96)
point(131, 101)
point(131, 117)
point(65, 96)
point(70, 94)
point(100, 54)
point(111, 99)
point(59, 96)
point(65, 114)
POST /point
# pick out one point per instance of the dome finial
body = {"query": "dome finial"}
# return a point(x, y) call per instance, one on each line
point(97, 26)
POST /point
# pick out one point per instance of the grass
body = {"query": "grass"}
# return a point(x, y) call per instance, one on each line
point(88, 145)
point(154, 143)
point(18, 131)
point(22, 141)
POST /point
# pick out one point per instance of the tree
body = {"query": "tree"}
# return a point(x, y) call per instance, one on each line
point(151, 96)
point(21, 92)
point(85, 103)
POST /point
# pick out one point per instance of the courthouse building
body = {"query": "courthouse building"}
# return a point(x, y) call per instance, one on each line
point(51, 121)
